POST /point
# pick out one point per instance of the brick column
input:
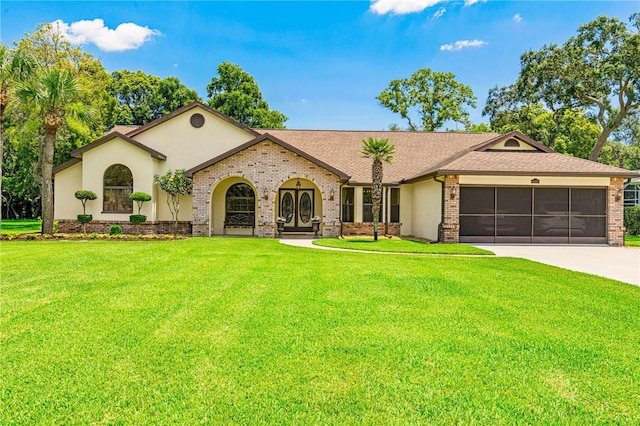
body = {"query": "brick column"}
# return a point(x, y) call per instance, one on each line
point(615, 212)
point(451, 223)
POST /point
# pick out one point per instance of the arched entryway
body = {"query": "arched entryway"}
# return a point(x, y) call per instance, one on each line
point(299, 201)
point(234, 207)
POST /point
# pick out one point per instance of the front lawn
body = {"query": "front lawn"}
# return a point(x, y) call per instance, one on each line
point(632, 240)
point(250, 331)
point(396, 245)
point(20, 226)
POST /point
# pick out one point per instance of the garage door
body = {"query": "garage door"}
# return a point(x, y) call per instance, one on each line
point(533, 215)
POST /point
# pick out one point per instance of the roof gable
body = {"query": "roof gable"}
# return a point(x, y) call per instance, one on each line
point(115, 135)
point(512, 141)
point(189, 107)
point(275, 140)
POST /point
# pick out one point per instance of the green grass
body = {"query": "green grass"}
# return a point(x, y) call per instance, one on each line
point(398, 246)
point(632, 240)
point(20, 226)
point(249, 331)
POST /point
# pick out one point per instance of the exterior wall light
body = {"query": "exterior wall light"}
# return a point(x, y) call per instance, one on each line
point(619, 195)
point(298, 184)
point(453, 191)
point(265, 195)
point(331, 195)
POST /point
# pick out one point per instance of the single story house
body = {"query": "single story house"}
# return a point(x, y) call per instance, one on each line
point(442, 186)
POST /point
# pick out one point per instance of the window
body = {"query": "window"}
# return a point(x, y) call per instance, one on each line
point(395, 205)
point(240, 203)
point(367, 206)
point(632, 195)
point(347, 204)
point(118, 186)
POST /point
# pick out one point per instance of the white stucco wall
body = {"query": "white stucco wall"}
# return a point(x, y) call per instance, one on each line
point(186, 146)
point(67, 182)
point(96, 161)
point(426, 209)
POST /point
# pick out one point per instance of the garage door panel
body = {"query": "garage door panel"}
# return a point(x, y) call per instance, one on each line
point(514, 201)
point(513, 226)
point(477, 225)
point(533, 214)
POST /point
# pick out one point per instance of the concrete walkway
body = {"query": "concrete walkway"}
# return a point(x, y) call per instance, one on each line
point(618, 263)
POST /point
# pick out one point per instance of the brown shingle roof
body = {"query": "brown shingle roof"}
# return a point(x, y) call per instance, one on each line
point(415, 151)
point(527, 162)
point(122, 129)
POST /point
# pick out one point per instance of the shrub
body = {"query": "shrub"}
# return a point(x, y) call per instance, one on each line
point(83, 195)
point(85, 218)
point(137, 218)
point(632, 220)
point(140, 198)
point(115, 230)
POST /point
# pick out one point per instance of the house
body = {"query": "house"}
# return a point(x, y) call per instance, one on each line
point(632, 192)
point(443, 186)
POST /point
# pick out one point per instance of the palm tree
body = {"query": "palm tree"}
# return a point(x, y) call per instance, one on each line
point(14, 68)
point(380, 150)
point(53, 94)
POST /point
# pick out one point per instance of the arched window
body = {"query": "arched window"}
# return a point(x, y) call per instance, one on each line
point(240, 205)
point(118, 185)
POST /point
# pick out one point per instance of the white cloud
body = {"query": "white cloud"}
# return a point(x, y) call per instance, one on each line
point(439, 13)
point(470, 2)
point(461, 44)
point(126, 36)
point(400, 7)
point(517, 17)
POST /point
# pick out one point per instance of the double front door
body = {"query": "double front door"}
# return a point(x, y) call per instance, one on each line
point(297, 207)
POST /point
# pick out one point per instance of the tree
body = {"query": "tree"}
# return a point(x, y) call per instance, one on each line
point(23, 132)
point(15, 67)
point(174, 184)
point(379, 150)
point(235, 93)
point(142, 97)
point(428, 99)
point(53, 94)
point(85, 195)
point(597, 70)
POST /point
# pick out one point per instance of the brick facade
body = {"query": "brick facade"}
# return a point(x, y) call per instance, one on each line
point(615, 216)
point(450, 232)
point(67, 226)
point(366, 228)
point(266, 165)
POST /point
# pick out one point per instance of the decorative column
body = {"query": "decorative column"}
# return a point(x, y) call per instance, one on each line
point(451, 222)
point(615, 212)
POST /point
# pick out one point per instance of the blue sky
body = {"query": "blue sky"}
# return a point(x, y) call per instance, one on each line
point(320, 63)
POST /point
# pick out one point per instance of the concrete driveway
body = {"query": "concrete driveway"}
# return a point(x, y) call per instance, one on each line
point(618, 263)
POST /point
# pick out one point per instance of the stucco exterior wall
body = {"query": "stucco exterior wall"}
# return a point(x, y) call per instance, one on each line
point(186, 146)
point(67, 182)
point(425, 209)
point(526, 180)
point(265, 165)
point(96, 161)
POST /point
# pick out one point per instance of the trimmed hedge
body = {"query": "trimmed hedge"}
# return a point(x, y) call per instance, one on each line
point(137, 218)
point(632, 220)
point(115, 230)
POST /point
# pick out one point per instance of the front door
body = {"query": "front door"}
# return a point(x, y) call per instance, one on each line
point(297, 207)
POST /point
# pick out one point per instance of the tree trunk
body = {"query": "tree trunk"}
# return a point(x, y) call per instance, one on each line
point(2, 106)
point(47, 180)
point(597, 148)
point(376, 195)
